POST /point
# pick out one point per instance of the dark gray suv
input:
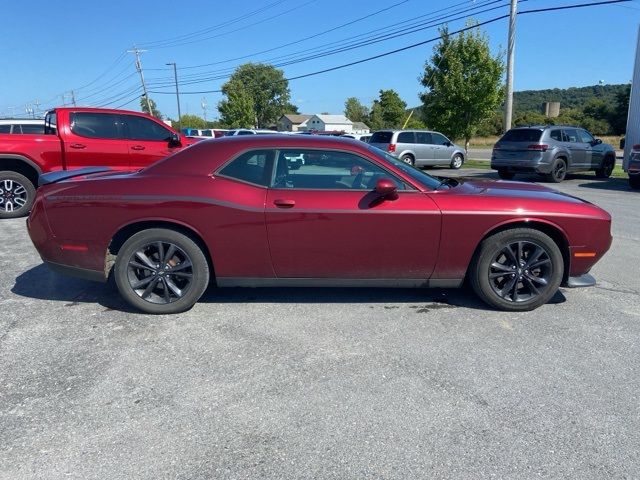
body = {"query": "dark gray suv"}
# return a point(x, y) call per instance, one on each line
point(553, 151)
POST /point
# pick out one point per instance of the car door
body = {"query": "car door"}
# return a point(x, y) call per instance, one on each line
point(324, 220)
point(442, 149)
point(594, 152)
point(577, 148)
point(147, 140)
point(95, 139)
point(424, 147)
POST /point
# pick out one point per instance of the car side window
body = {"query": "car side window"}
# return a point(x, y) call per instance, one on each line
point(586, 136)
point(439, 139)
point(33, 129)
point(327, 170)
point(424, 138)
point(5, 128)
point(95, 125)
point(406, 137)
point(556, 135)
point(140, 128)
point(571, 135)
point(252, 167)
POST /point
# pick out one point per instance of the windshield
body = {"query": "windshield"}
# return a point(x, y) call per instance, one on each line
point(418, 175)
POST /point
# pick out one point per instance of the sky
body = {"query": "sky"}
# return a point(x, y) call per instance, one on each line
point(51, 49)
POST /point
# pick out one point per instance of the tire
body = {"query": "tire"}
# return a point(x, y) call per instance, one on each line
point(172, 289)
point(408, 159)
point(534, 280)
point(558, 171)
point(456, 162)
point(505, 174)
point(608, 165)
point(634, 182)
point(17, 194)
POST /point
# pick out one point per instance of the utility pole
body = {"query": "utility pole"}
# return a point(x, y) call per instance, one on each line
point(63, 100)
point(137, 53)
point(508, 111)
point(175, 76)
point(37, 104)
point(203, 104)
point(73, 98)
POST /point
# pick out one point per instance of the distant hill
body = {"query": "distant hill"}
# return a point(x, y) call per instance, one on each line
point(574, 97)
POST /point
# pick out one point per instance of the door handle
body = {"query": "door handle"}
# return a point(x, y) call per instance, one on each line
point(77, 145)
point(137, 147)
point(281, 203)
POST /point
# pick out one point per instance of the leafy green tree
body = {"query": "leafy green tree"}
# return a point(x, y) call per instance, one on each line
point(145, 108)
point(388, 111)
point(257, 95)
point(356, 111)
point(618, 115)
point(463, 82)
point(192, 121)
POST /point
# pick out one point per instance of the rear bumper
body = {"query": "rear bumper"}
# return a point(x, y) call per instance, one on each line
point(521, 167)
point(86, 274)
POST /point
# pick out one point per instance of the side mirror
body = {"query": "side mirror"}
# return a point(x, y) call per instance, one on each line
point(386, 188)
point(174, 140)
point(448, 144)
point(598, 141)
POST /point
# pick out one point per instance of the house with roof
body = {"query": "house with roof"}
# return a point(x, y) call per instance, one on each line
point(290, 122)
point(328, 123)
point(361, 128)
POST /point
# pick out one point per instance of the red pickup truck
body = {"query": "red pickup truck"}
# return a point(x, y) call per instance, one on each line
point(76, 138)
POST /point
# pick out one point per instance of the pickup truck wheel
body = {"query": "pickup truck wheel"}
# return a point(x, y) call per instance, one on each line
point(607, 168)
point(558, 171)
point(161, 271)
point(517, 270)
point(16, 194)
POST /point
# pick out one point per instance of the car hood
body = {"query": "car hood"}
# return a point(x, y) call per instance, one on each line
point(512, 190)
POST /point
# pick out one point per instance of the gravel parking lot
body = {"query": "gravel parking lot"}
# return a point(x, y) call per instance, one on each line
point(312, 383)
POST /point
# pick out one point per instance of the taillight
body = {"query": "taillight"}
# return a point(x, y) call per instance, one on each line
point(538, 147)
point(391, 148)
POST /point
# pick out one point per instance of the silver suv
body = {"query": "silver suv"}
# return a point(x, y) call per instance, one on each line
point(419, 147)
point(553, 151)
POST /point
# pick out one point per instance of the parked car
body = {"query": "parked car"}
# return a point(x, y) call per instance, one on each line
point(22, 126)
point(237, 207)
point(553, 151)
point(248, 131)
point(75, 138)
point(420, 148)
point(357, 136)
point(633, 167)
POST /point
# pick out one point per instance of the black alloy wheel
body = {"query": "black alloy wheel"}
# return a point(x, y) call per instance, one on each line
point(558, 171)
point(607, 168)
point(16, 195)
point(517, 269)
point(161, 271)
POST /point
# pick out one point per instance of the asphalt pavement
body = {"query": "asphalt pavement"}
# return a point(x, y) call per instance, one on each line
point(323, 383)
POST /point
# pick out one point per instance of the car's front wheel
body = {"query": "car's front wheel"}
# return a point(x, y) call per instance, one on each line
point(16, 194)
point(517, 270)
point(456, 161)
point(606, 170)
point(161, 271)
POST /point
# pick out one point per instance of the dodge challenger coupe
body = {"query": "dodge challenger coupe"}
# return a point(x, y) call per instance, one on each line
point(297, 210)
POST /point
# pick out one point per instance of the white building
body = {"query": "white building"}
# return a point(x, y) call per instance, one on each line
point(327, 123)
point(361, 128)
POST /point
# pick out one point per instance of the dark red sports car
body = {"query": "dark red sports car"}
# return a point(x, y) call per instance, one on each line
point(289, 210)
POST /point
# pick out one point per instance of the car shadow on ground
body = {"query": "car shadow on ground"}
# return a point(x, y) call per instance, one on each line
point(43, 284)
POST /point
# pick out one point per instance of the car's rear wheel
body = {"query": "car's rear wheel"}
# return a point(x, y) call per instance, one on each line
point(634, 181)
point(505, 174)
point(517, 270)
point(408, 159)
point(607, 168)
point(456, 161)
point(558, 171)
point(16, 194)
point(161, 271)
